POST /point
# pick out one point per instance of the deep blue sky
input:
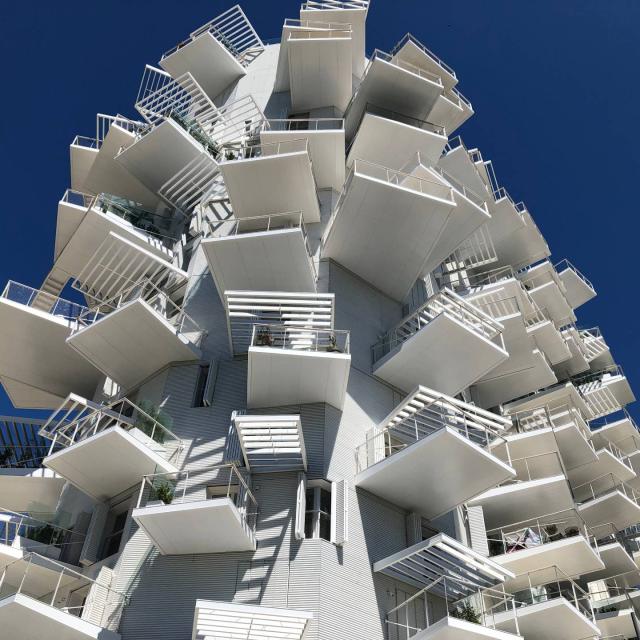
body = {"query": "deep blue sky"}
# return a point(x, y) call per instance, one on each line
point(553, 83)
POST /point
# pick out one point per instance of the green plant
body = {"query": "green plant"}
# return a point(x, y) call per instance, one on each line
point(164, 492)
point(5, 456)
point(466, 612)
point(607, 610)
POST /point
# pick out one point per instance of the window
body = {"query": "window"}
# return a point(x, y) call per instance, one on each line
point(317, 520)
point(111, 543)
point(321, 510)
point(205, 385)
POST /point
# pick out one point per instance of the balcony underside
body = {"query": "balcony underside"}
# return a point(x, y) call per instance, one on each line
point(577, 290)
point(389, 143)
point(561, 394)
point(37, 368)
point(616, 563)
point(445, 355)
point(524, 500)
point(391, 87)
point(555, 618)
point(109, 462)
point(262, 261)
point(548, 296)
point(30, 490)
point(205, 526)
point(326, 148)
point(574, 447)
point(606, 463)
point(389, 235)
point(550, 340)
point(81, 160)
point(209, 62)
point(454, 629)
point(450, 112)
point(573, 556)
point(108, 175)
point(577, 362)
point(23, 618)
point(282, 182)
point(616, 624)
point(319, 72)
point(617, 387)
point(278, 377)
point(458, 163)
point(613, 507)
point(401, 478)
point(132, 343)
point(617, 432)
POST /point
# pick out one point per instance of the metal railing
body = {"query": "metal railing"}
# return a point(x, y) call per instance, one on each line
point(413, 615)
point(434, 416)
point(279, 336)
point(334, 4)
point(445, 301)
point(536, 467)
point(22, 456)
point(389, 114)
point(469, 194)
point(565, 264)
point(78, 419)
point(175, 488)
point(409, 38)
point(102, 605)
point(267, 149)
point(599, 376)
point(405, 66)
point(317, 30)
point(602, 486)
point(535, 277)
point(549, 417)
point(78, 198)
point(304, 124)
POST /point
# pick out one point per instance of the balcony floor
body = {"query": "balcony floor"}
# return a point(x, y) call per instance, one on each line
point(443, 355)
point(605, 464)
point(454, 629)
point(402, 477)
point(205, 526)
point(616, 624)
point(613, 507)
point(616, 563)
point(578, 291)
point(550, 340)
point(30, 490)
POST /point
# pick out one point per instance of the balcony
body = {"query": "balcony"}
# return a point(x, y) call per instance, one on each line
point(24, 484)
point(459, 161)
point(46, 599)
point(281, 179)
point(578, 289)
point(578, 361)
point(179, 521)
point(135, 334)
point(619, 564)
point(37, 367)
point(598, 354)
point(452, 109)
point(617, 429)
point(413, 618)
point(387, 138)
point(297, 365)
point(557, 608)
point(447, 343)
point(105, 449)
point(265, 253)
point(605, 391)
point(217, 53)
point(540, 488)
point(393, 83)
point(219, 619)
point(390, 227)
point(547, 336)
point(326, 145)
point(610, 460)
point(414, 446)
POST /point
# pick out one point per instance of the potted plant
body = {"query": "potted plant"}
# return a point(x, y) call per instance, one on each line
point(466, 612)
point(164, 492)
point(263, 337)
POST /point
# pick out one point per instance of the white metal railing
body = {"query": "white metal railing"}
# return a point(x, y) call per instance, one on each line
point(78, 198)
point(335, 4)
point(538, 276)
point(445, 301)
point(267, 149)
point(192, 183)
point(342, 32)
point(583, 380)
point(546, 417)
point(565, 264)
point(304, 124)
point(469, 194)
point(405, 66)
point(282, 336)
point(21, 445)
point(409, 38)
point(536, 467)
point(602, 486)
point(233, 31)
point(78, 419)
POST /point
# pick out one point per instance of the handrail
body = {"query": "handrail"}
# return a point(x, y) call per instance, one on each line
point(280, 336)
point(404, 65)
point(78, 198)
point(334, 4)
point(312, 124)
point(565, 264)
point(411, 38)
point(31, 456)
point(317, 24)
point(597, 376)
point(267, 149)
point(390, 114)
point(527, 469)
point(602, 485)
point(459, 186)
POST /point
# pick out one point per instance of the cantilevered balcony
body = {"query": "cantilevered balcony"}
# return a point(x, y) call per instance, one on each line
point(605, 391)
point(297, 365)
point(326, 145)
point(37, 368)
point(265, 253)
point(460, 162)
point(619, 564)
point(413, 447)
point(387, 138)
point(554, 540)
point(415, 618)
point(578, 289)
point(393, 83)
point(220, 619)
point(619, 429)
point(24, 484)
point(281, 179)
point(179, 520)
point(578, 361)
point(105, 449)
point(598, 354)
point(136, 333)
point(540, 487)
point(610, 460)
point(447, 344)
point(555, 608)
point(547, 336)
point(217, 53)
point(46, 599)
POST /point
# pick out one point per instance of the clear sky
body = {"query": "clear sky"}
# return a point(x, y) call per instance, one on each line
point(554, 84)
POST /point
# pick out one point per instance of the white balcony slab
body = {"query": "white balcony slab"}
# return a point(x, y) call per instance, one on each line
point(278, 377)
point(555, 618)
point(555, 397)
point(81, 160)
point(577, 290)
point(326, 148)
point(612, 507)
point(279, 182)
point(390, 142)
point(573, 556)
point(524, 500)
point(109, 462)
point(549, 296)
point(619, 432)
point(203, 526)
point(37, 368)
point(276, 260)
point(616, 563)
point(132, 343)
point(574, 445)
point(30, 490)
point(388, 233)
point(615, 388)
point(24, 618)
point(454, 629)
point(451, 111)
point(550, 341)
point(208, 61)
point(446, 354)
point(606, 463)
point(616, 624)
point(459, 164)
point(402, 477)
